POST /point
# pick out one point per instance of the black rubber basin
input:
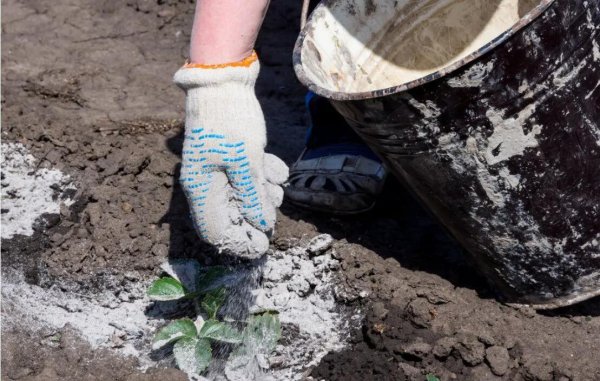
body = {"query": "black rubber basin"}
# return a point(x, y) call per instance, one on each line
point(489, 111)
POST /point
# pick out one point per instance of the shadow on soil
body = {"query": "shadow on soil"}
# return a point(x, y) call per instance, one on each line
point(400, 228)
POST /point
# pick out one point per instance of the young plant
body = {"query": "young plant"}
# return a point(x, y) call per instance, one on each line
point(261, 334)
point(193, 341)
point(169, 288)
point(431, 377)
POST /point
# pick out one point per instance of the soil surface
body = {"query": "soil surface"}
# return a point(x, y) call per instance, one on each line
point(86, 87)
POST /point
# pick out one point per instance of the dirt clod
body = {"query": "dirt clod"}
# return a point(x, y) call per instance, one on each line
point(471, 350)
point(444, 346)
point(379, 311)
point(410, 372)
point(417, 350)
point(319, 244)
point(538, 369)
point(498, 359)
point(420, 312)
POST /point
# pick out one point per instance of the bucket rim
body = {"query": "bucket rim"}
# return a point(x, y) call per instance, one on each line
point(340, 95)
point(559, 302)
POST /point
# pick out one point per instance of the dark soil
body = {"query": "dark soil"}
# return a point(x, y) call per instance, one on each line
point(62, 355)
point(86, 86)
point(429, 312)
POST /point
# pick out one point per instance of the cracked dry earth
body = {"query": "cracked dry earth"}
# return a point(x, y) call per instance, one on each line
point(86, 87)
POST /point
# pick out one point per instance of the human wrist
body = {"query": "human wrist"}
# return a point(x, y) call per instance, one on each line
point(218, 55)
point(195, 75)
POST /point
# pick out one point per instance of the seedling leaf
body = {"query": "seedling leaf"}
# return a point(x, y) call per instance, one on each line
point(213, 300)
point(216, 330)
point(174, 331)
point(192, 355)
point(431, 377)
point(207, 279)
point(184, 270)
point(203, 354)
point(263, 331)
point(185, 356)
point(166, 288)
point(199, 322)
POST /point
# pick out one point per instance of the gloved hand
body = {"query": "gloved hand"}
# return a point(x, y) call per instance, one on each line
point(232, 186)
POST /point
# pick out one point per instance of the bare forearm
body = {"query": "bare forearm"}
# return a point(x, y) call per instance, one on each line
point(225, 30)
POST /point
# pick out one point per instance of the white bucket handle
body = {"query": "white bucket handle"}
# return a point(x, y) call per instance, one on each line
point(304, 14)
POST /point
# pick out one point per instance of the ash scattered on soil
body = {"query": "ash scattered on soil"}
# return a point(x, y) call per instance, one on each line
point(101, 319)
point(28, 192)
point(296, 282)
point(299, 283)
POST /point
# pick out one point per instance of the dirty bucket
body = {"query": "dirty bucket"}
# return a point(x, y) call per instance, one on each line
point(489, 111)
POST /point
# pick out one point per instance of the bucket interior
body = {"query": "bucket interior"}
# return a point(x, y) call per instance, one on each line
point(356, 46)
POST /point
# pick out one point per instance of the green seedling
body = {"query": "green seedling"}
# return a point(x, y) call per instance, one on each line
point(193, 341)
point(213, 300)
point(261, 334)
point(431, 377)
point(55, 338)
point(167, 288)
point(263, 331)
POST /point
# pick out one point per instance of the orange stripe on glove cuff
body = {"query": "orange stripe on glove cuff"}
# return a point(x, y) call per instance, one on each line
point(246, 62)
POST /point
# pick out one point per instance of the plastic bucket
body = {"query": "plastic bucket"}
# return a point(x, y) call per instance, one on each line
point(489, 111)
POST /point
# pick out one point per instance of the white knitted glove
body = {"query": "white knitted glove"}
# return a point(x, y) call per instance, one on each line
point(232, 186)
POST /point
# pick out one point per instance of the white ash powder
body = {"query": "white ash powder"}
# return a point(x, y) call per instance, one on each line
point(297, 282)
point(27, 192)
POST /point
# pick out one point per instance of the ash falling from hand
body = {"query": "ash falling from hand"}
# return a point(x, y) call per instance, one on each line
point(297, 284)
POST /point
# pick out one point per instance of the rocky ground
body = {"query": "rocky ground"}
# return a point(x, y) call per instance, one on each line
point(86, 88)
